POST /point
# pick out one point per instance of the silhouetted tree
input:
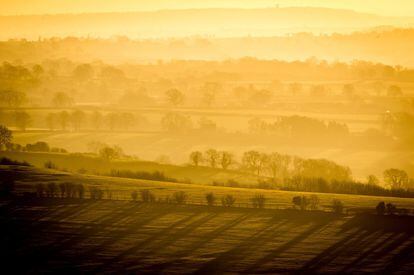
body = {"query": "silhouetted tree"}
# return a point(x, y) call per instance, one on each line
point(258, 201)
point(196, 158)
point(211, 199)
point(77, 118)
point(380, 208)
point(254, 161)
point(337, 206)
point(5, 136)
point(226, 159)
point(174, 122)
point(180, 197)
point(147, 196)
point(396, 178)
point(372, 180)
point(63, 119)
point(300, 201)
point(11, 98)
point(110, 153)
point(212, 157)
point(83, 72)
point(313, 202)
point(391, 209)
point(228, 200)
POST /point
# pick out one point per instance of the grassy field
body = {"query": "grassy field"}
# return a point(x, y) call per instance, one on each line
point(77, 162)
point(59, 236)
point(28, 177)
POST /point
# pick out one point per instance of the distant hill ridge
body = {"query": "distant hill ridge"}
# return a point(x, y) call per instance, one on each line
point(217, 22)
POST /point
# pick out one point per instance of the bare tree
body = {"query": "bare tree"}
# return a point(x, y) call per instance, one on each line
point(226, 159)
point(64, 119)
point(212, 156)
point(395, 178)
point(258, 201)
point(228, 200)
point(278, 165)
point(255, 161)
point(196, 158)
point(77, 118)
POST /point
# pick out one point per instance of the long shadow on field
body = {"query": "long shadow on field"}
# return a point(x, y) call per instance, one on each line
point(380, 244)
point(203, 240)
point(165, 237)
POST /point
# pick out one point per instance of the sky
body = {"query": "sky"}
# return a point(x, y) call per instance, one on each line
point(19, 7)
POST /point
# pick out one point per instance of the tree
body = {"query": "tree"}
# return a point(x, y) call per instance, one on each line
point(228, 200)
point(63, 119)
point(337, 206)
point(278, 165)
point(211, 199)
point(380, 208)
point(174, 122)
point(255, 161)
point(61, 99)
point(226, 159)
point(372, 180)
point(300, 201)
point(12, 98)
point(258, 201)
point(22, 120)
point(5, 136)
point(109, 153)
point(180, 197)
point(83, 72)
point(77, 118)
point(395, 178)
point(212, 156)
point(174, 97)
point(97, 119)
point(196, 158)
point(391, 208)
point(51, 121)
point(147, 196)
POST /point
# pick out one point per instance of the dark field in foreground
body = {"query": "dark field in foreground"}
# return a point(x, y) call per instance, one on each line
point(55, 235)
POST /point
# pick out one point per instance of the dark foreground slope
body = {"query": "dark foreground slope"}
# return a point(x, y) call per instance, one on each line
point(56, 235)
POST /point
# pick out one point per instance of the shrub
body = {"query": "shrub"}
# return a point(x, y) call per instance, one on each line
point(258, 201)
point(300, 201)
point(180, 197)
point(134, 195)
point(147, 196)
point(337, 206)
point(50, 165)
point(211, 199)
point(380, 208)
point(228, 201)
point(7, 161)
point(391, 209)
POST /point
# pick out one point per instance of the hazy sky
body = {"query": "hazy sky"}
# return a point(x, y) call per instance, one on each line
point(12, 7)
